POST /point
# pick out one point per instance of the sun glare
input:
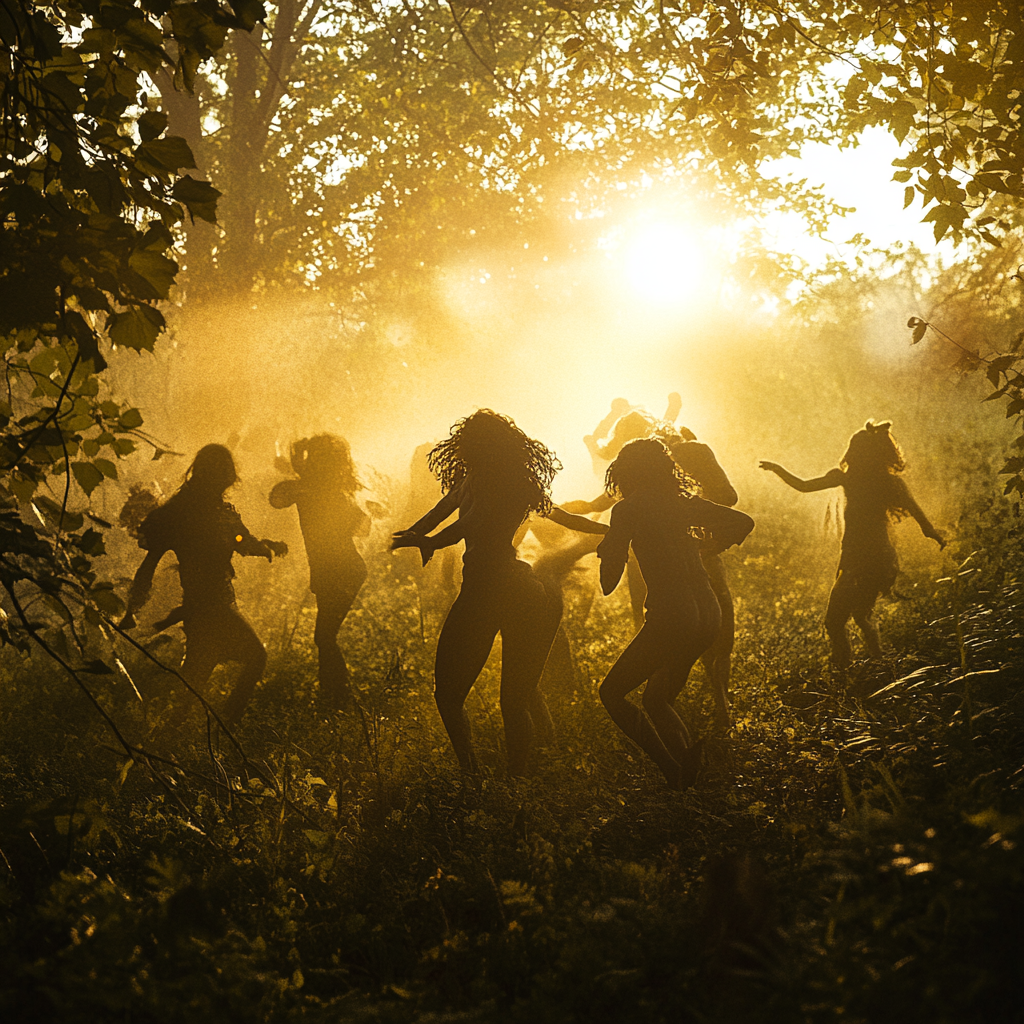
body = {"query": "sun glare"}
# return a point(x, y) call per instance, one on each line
point(666, 265)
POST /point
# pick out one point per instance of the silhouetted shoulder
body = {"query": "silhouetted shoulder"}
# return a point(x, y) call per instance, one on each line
point(834, 478)
point(698, 461)
point(157, 530)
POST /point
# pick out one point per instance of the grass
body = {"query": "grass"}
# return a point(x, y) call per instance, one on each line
point(843, 856)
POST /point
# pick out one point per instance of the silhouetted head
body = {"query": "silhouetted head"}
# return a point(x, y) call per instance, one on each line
point(490, 445)
point(873, 449)
point(325, 458)
point(644, 465)
point(212, 470)
point(627, 428)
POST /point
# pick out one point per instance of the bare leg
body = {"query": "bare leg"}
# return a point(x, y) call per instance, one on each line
point(245, 647)
point(658, 701)
point(647, 652)
point(863, 615)
point(836, 616)
point(527, 629)
point(462, 650)
point(717, 659)
point(334, 678)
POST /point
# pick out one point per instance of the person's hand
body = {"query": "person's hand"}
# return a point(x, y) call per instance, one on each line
point(409, 539)
point(772, 467)
point(275, 547)
point(578, 508)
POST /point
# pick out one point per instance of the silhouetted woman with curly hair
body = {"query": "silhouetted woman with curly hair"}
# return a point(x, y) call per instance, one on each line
point(330, 518)
point(875, 493)
point(494, 476)
point(667, 528)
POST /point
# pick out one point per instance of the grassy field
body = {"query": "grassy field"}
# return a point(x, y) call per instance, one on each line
point(850, 851)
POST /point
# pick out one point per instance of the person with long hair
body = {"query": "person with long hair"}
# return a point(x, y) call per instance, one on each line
point(494, 476)
point(330, 519)
point(666, 526)
point(205, 532)
point(875, 494)
point(698, 463)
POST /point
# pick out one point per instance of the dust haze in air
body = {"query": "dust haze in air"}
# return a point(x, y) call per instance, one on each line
point(550, 336)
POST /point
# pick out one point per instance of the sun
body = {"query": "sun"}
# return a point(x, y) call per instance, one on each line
point(666, 265)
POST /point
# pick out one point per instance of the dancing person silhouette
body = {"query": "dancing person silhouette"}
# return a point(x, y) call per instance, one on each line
point(697, 462)
point(330, 519)
point(204, 532)
point(494, 475)
point(875, 493)
point(658, 518)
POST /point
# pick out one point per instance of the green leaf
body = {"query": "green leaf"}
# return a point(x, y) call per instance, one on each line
point(152, 125)
point(87, 475)
point(200, 197)
point(130, 419)
point(105, 466)
point(136, 328)
point(164, 156)
point(158, 270)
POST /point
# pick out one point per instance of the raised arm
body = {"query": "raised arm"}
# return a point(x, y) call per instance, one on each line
point(580, 524)
point(614, 549)
point(727, 526)
point(833, 478)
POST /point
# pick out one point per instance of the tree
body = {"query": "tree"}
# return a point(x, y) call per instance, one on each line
point(91, 191)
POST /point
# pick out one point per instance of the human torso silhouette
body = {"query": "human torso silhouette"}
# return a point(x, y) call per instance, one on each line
point(867, 551)
point(491, 510)
point(330, 520)
point(204, 532)
point(698, 462)
point(659, 527)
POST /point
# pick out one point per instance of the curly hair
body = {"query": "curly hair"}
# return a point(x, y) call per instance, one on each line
point(490, 444)
point(645, 462)
point(874, 447)
point(326, 458)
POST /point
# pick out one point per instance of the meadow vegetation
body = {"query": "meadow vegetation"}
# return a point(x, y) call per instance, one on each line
point(850, 851)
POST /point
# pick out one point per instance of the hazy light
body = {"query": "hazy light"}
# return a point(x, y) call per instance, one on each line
point(665, 264)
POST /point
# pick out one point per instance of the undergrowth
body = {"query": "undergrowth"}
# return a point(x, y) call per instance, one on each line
point(851, 851)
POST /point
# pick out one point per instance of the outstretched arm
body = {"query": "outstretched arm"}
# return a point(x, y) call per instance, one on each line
point(833, 478)
point(438, 514)
point(601, 503)
point(920, 518)
point(614, 550)
point(580, 524)
point(450, 535)
point(142, 584)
